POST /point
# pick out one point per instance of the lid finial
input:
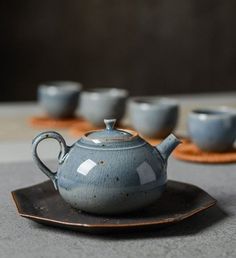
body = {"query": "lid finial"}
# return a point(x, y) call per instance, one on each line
point(110, 123)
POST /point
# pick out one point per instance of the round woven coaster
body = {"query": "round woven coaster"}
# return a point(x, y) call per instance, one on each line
point(47, 122)
point(190, 152)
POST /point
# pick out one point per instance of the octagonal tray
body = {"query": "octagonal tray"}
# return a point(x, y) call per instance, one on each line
point(43, 204)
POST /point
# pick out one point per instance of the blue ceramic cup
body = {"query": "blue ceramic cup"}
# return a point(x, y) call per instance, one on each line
point(153, 116)
point(100, 103)
point(213, 130)
point(59, 99)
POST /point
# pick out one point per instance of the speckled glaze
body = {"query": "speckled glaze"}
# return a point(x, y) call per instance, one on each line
point(100, 103)
point(213, 130)
point(59, 99)
point(109, 171)
point(153, 116)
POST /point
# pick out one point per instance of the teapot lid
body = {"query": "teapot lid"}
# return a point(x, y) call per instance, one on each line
point(110, 138)
point(109, 134)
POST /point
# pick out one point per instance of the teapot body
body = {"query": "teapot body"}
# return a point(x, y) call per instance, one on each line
point(111, 181)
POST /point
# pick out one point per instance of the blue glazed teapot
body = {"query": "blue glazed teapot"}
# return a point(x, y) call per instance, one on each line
point(110, 171)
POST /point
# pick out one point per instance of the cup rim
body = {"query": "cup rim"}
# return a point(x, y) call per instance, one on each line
point(112, 92)
point(213, 113)
point(152, 102)
point(60, 87)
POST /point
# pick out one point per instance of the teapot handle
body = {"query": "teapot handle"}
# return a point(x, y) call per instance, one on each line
point(63, 151)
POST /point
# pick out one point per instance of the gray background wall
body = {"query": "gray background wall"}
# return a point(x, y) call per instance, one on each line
point(148, 46)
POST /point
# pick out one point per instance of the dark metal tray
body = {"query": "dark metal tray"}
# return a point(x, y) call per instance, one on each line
point(42, 203)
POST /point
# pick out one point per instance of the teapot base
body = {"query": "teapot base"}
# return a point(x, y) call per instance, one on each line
point(119, 201)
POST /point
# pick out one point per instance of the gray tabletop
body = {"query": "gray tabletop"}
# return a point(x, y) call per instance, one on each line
point(209, 234)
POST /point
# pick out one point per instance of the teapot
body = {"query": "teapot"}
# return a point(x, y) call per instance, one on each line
point(110, 171)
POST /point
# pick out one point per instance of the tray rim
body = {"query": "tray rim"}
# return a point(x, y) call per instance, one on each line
point(211, 203)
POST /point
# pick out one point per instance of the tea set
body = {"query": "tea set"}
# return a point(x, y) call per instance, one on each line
point(213, 129)
point(152, 116)
point(115, 171)
point(99, 103)
point(59, 98)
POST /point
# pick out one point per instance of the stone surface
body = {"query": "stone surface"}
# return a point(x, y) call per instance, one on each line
point(209, 234)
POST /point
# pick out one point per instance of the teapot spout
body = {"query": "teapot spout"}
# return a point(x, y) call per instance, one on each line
point(167, 146)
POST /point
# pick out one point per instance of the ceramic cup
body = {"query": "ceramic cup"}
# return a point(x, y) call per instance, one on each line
point(153, 116)
point(59, 99)
point(213, 130)
point(100, 103)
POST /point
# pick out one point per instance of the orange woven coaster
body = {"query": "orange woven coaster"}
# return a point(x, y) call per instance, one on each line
point(189, 152)
point(46, 122)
